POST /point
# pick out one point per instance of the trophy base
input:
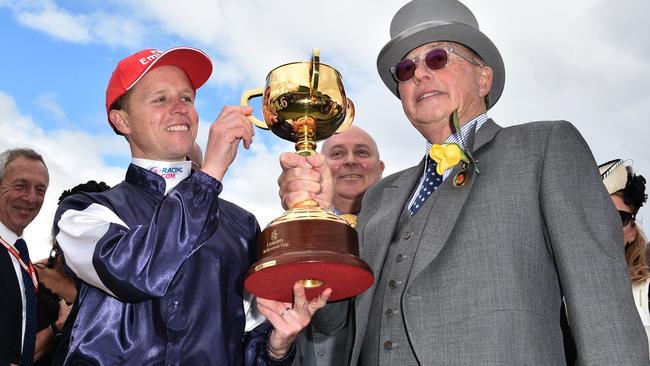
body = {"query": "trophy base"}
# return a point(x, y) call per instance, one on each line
point(347, 276)
point(320, 253)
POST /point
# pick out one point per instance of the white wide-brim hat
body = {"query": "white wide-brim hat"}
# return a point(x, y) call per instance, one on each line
point(614, 175)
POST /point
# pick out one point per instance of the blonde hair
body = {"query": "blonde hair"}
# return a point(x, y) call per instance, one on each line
point(636, 258)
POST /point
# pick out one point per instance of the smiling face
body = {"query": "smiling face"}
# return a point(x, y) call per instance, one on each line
point(353, 158)
point(22, 191)
point(159, 120)
point(430, 96)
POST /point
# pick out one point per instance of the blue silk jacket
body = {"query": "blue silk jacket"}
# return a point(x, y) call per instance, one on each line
point(162, 275)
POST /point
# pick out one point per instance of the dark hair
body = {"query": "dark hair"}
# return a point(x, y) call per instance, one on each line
point(634, 191)
point(90, 186)
point(120, 103)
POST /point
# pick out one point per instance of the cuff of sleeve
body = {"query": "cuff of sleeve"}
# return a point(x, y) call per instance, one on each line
point(55, 331)
point(286, 360)
point(207, 181)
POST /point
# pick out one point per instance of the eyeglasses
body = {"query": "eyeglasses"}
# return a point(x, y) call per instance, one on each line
point(435, 59)
point(627, 217)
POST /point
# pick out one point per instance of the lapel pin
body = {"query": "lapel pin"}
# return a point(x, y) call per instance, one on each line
point(461, 177)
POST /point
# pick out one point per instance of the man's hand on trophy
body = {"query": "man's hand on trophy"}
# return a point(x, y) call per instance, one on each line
point(304, 178)
point(289, 319)
point(231, 127)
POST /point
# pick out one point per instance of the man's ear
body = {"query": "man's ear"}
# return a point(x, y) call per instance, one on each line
point(485, 81)
point(120, 121)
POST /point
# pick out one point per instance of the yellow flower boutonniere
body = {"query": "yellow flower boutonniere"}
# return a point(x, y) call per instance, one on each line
point(447, 156)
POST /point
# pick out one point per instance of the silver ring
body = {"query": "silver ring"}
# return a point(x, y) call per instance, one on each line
point(285, 311)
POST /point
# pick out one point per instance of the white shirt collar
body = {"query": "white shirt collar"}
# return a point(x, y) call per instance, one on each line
point(465, 130)
point(9, 236)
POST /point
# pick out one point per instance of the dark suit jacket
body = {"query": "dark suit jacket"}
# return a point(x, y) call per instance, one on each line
point(10, 311)
point(496, 256)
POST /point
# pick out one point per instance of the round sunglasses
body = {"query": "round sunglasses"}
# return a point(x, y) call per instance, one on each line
point(627, 217)
point(435, 59)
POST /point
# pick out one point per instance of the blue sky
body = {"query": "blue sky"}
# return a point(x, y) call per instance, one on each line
point(587, 63)
point(54, 79)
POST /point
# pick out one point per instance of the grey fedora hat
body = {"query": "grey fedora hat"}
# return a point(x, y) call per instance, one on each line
point(424, 21)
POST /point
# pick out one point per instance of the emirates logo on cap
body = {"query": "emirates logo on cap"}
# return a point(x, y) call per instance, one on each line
point(154, 55)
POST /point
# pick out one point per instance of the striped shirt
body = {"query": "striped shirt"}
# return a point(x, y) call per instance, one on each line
point(453, 138)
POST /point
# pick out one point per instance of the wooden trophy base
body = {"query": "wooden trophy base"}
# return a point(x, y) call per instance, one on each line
point(318, 252)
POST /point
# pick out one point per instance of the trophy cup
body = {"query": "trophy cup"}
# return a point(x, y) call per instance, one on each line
point(304, 102)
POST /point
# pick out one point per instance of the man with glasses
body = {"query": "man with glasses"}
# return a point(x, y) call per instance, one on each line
point(475, 248)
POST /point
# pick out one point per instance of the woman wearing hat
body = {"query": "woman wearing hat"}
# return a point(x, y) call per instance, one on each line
point(627, 190)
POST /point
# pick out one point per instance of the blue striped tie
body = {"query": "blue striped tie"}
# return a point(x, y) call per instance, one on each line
point(27, 357)
point(431, 182)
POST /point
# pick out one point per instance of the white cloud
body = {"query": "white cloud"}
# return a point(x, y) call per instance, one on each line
point(190, 19)
point(97, 27)
point(48, 102)
point(56, 22)
point(251, 182)
point(116, 30)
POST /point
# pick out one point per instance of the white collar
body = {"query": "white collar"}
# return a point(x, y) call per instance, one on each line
point(9, 236)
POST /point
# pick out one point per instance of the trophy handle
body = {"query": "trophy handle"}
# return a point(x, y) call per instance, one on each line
point(349, 116)
point(245, 98)
point(314, 70)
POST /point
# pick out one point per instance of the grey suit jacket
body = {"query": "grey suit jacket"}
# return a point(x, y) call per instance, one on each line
point(497, 255)
point(314, 348)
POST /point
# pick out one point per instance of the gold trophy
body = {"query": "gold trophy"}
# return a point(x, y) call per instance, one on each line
point(304, 102)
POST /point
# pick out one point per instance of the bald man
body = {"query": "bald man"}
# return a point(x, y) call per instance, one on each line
point(353, 159)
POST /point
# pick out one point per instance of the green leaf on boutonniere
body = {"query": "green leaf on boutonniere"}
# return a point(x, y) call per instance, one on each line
point(466, 152)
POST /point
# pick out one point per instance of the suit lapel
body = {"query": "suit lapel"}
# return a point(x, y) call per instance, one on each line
point(378, 231)
point(487, 132)
point(443, 214)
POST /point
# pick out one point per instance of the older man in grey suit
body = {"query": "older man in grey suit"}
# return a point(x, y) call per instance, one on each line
point(473, 261)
